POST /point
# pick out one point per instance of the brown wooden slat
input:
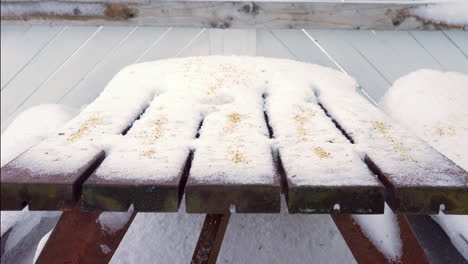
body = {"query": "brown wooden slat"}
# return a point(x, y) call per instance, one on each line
point(78, 238)
point(45, 191)
point(147, 196)
point(220, 192)
point(211, 238)
point(425, 199)
point(23, 183)
point(365, 251)
point(417, 177)
point(328, 171)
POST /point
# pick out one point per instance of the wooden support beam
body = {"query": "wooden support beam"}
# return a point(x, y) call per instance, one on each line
point(223, 14)
point(366, 252)
point(79, 237)
point(211, 238)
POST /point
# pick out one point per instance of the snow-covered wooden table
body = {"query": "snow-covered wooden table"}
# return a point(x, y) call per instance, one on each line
point(230, 133)
point(38, 60)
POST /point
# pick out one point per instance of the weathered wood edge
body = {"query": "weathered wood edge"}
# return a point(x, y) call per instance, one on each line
point(150, 196)
point(318, 199)
point(44, 192)
point(420, 199)
point(222, 198)
point(305, 199)
point(225, 14)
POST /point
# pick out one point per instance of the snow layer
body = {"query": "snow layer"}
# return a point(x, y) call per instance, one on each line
point(383, 231)
point(234, 144)
point(92, 130)
point(230, 94)
point(30, 127)
point(406, 159)
point(440, 116)
point(451, 12)
point(433, 105)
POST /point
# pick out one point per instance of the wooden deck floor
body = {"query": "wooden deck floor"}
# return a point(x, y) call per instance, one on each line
point(72, 64)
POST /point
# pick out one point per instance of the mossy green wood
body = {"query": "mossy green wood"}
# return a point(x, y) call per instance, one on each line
point(428, 199)
point(149, 195)
point(313, 199)
point(221, 198)
point(21, 187)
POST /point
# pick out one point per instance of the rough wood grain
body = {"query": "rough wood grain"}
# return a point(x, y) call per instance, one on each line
point(223, 14)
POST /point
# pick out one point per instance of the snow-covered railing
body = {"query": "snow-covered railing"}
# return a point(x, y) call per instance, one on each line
point(402, 15)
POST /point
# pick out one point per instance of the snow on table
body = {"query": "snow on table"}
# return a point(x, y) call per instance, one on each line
point(443, 96)
point(60, 161)
point(418, 177)
point(319, 127)
point(323, 169)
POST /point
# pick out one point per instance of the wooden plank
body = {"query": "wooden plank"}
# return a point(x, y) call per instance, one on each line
point(434, 240)
point(156, 192)
point(82, 237)
point(226, 14)
point(49, 175)
point(329, 172)
point(366, 252)
point(211, 238)
point(21, 187)
point(417, 177)
point(25, 49)
point(74, 68)
point(41, 68)
point(230, 183)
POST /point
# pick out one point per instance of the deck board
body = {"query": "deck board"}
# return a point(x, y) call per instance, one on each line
point(36, 73)
point(69, 74)
point(24, 49)
point(459, 39)
point(124, 54)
